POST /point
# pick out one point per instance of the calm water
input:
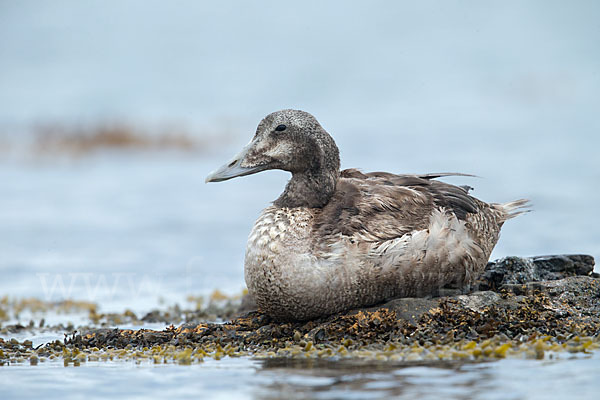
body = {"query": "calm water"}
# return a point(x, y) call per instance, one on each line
point(280, 379)
point(509, 92)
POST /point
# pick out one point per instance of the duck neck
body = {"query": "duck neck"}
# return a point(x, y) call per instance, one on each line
point(311, 189)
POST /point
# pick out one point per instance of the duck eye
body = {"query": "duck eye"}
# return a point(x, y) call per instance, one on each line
point(280, 128)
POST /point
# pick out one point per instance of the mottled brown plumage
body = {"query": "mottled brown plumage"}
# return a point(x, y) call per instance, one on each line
point(336, 240)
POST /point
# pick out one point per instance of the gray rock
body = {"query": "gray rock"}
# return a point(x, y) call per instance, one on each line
point(479, 300)
point(408, 308)
point(576, 285)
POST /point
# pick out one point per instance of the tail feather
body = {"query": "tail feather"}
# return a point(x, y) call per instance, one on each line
point(515, 208)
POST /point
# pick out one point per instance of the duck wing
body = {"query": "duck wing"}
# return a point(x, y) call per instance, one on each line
point(381, 206)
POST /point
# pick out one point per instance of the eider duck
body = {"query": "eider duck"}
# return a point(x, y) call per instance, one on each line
point(336, 240)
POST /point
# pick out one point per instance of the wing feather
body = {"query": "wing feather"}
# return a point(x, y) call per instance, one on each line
point(380, 206)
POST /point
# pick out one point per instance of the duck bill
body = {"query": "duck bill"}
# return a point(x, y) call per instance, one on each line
point(234, 168)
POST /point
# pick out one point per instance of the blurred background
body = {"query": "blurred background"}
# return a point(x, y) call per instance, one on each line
point(113, 112)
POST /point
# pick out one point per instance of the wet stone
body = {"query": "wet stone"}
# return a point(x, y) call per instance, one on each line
point(521, 270)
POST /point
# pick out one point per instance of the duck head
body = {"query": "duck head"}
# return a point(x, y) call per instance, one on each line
point(293, 141)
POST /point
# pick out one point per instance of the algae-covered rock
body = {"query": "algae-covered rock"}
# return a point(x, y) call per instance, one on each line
point(514, 313)
point(518, 315)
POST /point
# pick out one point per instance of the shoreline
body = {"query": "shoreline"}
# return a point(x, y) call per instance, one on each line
point(514, 317)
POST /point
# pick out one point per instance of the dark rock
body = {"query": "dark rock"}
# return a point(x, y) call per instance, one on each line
point(155, 316)
point(521, 270)
point(14, 328)
point(561, 266)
